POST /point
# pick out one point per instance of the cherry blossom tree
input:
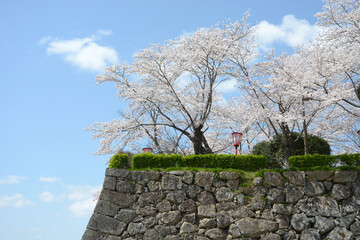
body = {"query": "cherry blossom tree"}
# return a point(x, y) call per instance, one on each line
point(171, 91)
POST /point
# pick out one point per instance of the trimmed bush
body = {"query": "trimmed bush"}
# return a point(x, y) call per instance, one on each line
point(119, 161)
point(240, 162)
point(316, 160)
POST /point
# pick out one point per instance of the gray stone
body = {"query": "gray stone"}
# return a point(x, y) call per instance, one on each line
point(171, 182)
point(125, 187)
point(345, 176)
point(299, 222)
point(314, 189)
point(206, 210)
point(189, 217)
point(283, 221)
point(91, 235)
point(284, 209)
point(112, 237)
point(319, 175)
point(136, 228)
point(151, 234)
point(176, 196)
point(267, 214)
point(126, 215)
point(170, 218)
point(340, 233)
point(275, 195)
point(165, 230)
point(177, 172)
point(151, 197)
point(146, 211)
point(293, 194)
point(340, 192)
point(251, 227)
point(215, 234)
point(225, 206)
point(149, 222)
point(270, 236)
point(296, 178)
point(310, 234)
point(188, 206)
point(229, 175)
point(164, 206)
point(326, 206)
point(187, 228)
point(207, 223)
point(273, 179)
point(233, 184)
point(116, 172)
point(242, 212)
point(203, 179)
point(324, 225)
point(223, 220)
point(121, 199)
point(257, 204)
point(258, 181)
point(345, 221)
point(192, 191)
point(224, 194)
point(234, 231)
point(106, 208)
point(188, 177)
point(106, 224)
point(290, 235)
point(206, 198)
point(219, 183)
point(328, 185)
point(355, 228)
point(154, 186)
point(109, 183)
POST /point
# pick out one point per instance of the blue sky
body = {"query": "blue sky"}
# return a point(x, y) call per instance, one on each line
point(50, 53)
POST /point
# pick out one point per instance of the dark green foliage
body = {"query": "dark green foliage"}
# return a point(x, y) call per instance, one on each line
point(119, 161)
point(241, 162)
point(274, 151)
point(343, 161)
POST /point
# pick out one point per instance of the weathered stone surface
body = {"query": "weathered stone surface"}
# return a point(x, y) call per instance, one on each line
point(283, 221)
point(299, 222)
point(345, 176)
point(215, 234)
point(116, 172)
point(251, 227)
point(176, 196)
point(151, 234)
point(345, 221)
point(355, 228)
point(125, 187)
point(267, 214)
point(146, 211)
point(328, 185)
point(270, 236)
point(223, 220)
point(340, 192)
point(203, 179)
point(151, 197)
point(234, 231)
point(284, 209)
point(326, 206)
point(310, 234)
point(109, 183)
point(164, 206)
point(106, 208)
point(187, 228)
point(177, 172)
point(207, 223)
point(206, 198)
point(121, 199)
point(154, 186)
point(136, 228)
point(275, 195)
point(340, 233)
point(258, 181)
point(171, 182)
point(257, 204)
point(149, 222)
point(229, 175)
point(273, 179)
point(224, 194)
point(296, 178)
point(188, 177)
point(126, 215)
point(192, 191)
point(106, 224)
point(225, 206)
point(314, 189)
point(188, 206)
point(170, 218)
point(293, 194)
point(206, 210)
point(242, 212)
point(189, 217)
point(319, 175)
point(165, 230)
point(91, 235)
point(233, 184)
point(324, 225)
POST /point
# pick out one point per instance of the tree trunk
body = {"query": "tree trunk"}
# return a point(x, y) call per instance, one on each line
point(198, 142)
point(306, 144)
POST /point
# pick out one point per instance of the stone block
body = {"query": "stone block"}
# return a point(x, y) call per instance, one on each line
point(274, 179)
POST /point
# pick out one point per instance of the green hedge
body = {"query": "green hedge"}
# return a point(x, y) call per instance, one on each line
point(241, 162)
point(119, 161)
point(316, 160)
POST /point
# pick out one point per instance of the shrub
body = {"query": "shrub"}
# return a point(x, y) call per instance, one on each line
point(241, 162)
point(349, 159)
point(316, 160)
point(119, 161)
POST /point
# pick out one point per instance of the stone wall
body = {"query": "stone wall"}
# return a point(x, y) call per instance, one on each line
point(205, 205)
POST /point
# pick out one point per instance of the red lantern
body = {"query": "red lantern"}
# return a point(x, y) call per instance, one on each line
point(147, 150)
point(358, 132)
point(236, 140)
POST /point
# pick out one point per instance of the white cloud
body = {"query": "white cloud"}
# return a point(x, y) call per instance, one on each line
point(47, 197)
point(104, 32)
point(12, 179)
point(227, 86)
point(291, 31)
point(83, 197)
point(84, 53)
point(44, 40)
point(50, 179)
point(17, 201)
